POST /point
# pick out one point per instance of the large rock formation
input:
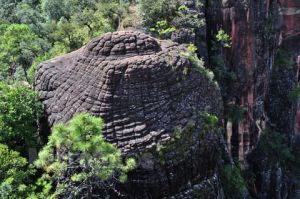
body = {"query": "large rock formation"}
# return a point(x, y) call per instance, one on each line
point(263, 58)
point(144, 89)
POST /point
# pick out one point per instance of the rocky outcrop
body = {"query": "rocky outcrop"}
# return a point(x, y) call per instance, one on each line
point(148, 94)
point(262, 63)
point(144, 88)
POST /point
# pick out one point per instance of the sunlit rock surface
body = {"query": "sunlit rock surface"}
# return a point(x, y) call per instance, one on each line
point(144, 89)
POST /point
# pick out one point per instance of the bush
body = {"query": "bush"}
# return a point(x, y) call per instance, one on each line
point(153, 11)
point(223, 38)
point(189, 18)
point(210, 121)
point(198, 64)
point(20, 110)
point(163, 29)
point(162, 17)
point(15, 174)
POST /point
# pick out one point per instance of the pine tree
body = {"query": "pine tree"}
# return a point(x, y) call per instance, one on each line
point(80, 161)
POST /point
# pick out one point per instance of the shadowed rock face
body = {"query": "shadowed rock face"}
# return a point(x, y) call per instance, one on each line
point(143, 88)
point(263, 33)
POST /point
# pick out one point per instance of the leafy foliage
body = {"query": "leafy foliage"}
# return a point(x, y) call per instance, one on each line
point(223, 38)
point(210, 121)
point(198, 64)
point(19, 111)
point(164, 17)
point(8, 10)
point(31, 29)
point(18, 46)
point(188, 18)
point(153, 11)
point(15, 174)
point(80, 159)
point(163, 29)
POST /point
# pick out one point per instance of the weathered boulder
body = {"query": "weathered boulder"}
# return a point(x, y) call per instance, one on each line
point(145, 90)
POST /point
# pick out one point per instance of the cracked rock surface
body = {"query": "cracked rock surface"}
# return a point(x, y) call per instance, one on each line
point(143, 88)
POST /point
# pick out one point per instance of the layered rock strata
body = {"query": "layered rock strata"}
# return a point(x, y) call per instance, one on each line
point(258, 75)
point(145, 90)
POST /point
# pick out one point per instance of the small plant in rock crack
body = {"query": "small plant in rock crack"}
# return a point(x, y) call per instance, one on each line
point(210, 121)
point(198, 64)
point(210, 124)
point(223, 38)
point(180, 143)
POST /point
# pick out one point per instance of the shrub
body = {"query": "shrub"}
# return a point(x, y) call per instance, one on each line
point(153, 11)
point(189, 18)
point(20, 110)
point(15, 174)
point(198, 64)
point(163, 29)
point(210, 121)
point(223, 38)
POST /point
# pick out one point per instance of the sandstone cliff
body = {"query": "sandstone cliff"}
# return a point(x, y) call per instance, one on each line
point(264, 58)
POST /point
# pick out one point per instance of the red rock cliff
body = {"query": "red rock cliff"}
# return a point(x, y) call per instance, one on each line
point(264, 58)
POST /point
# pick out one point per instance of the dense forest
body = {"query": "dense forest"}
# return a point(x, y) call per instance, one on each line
point(201, 101)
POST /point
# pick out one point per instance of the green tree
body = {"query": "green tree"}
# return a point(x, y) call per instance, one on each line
point(189, 18)
point(55, 9)
point(153, 11)
point(15, 174)
point(19, 111)
point(8, 10)
point(19, 45)
point(72, 23)
point(80, 160)
point(70, 35)
point(95, 22)
point(30, 15)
